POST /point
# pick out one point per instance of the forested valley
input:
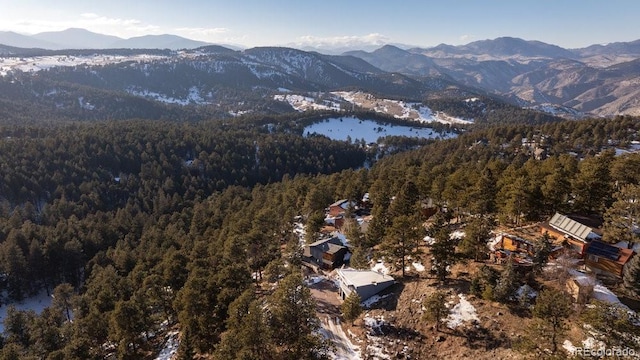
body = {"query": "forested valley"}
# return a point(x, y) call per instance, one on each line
point(137, 227)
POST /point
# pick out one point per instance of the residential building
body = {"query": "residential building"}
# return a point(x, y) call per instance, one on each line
point(365, 283)
point(603, 258)
point(575, 234)
point(326, 254)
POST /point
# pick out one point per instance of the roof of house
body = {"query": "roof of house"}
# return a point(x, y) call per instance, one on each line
point(610, 252)
point(359, 278)
point(570, 226)
point(338, 203)
point(331, 245)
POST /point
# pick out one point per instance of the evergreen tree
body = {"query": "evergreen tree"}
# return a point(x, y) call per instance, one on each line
point(631, 276)
point(477, 233)
point(507, 284)
point(436, 307)
point(351, 307)
point(552, 309)
point(247, 336)
point(483, 194)
point(406, 202)
point(292, 317)
point(443, 254)
point(186, 350)
point(62, 299)
point(616, 326)
point(16, 326)
point(543, 249)
point(359, 258)
point(401, 239)
point(592, 185)
point(127, 324)
point(621, 219)
point(556, 190)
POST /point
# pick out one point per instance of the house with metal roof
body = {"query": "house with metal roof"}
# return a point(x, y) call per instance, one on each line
point(603, 258)
point(565, 229)
point(365, 283)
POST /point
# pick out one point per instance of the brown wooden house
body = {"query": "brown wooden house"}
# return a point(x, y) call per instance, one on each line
point(326, 254)
point(603, 258)
point(567, 231)
point(339, 207)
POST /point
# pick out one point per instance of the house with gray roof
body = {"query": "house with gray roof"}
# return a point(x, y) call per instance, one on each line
point(326, 254)
point(365, 283)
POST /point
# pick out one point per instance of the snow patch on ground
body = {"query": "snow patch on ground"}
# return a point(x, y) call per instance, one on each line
point(458, 234)
point(462, 312)
point(373, 300)
point(600, 292)
point(418, 266)
point(526, 290)
point(429, 240)
point(300, 231)
point(375, 342)
point(312, 280)
point(380, 267)
point(170, 347)
point(36, 303)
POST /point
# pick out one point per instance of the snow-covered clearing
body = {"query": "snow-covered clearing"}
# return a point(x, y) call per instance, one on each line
point(193, 97)
point(36, 303)
point(37, 63)
point(304, 103)
point(399, 109)
point(462, 312)
point(342, 128)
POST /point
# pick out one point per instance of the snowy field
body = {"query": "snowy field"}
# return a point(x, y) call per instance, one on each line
point(400, 109)
point(369, 130)
point(37, 63)
point(397, 108)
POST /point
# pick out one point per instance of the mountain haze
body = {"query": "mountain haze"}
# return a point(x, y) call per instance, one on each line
point(75, 38)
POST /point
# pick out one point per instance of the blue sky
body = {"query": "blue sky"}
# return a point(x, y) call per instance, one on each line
point(568, 23)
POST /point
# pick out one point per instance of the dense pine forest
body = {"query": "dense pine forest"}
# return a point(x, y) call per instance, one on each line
point(138, 227)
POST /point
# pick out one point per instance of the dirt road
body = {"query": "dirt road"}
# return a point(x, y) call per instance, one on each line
point(328, 307)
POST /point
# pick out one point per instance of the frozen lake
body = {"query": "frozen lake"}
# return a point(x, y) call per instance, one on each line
point(340, 128)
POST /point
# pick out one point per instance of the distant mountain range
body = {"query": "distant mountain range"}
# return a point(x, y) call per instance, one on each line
point(601, 80)
point(83, 39)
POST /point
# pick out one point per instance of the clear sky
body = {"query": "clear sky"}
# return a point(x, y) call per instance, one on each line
point(568, 23)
